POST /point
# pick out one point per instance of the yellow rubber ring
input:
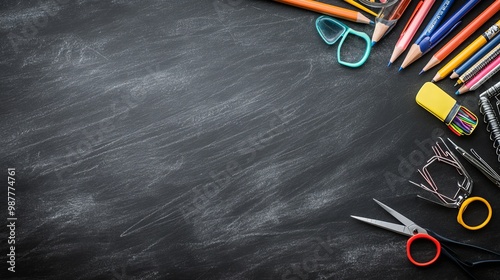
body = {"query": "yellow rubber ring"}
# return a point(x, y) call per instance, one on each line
point(464, 205)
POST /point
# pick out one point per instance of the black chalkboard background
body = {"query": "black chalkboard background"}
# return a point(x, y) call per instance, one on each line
point(215, 140)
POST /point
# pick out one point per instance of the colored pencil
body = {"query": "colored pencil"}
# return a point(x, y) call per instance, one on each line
point(411, 28)
point(328, 9)
point(463, 35)
point(481, 77)
point(361, 7)
point(475, 58)
point(467, 52)
point(478, 66)
point(387, 19)
point(431, 39)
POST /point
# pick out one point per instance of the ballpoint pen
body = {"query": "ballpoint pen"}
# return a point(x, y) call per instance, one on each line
point(387, 19)
point(446, 28)
point(429, 29)
point(465, 33)
point(418, 16)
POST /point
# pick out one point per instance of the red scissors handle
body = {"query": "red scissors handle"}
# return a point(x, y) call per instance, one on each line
point(422, 236)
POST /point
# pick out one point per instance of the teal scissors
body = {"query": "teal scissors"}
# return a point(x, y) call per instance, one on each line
point(409, 228)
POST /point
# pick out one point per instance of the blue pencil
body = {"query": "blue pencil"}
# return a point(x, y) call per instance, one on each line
point(475, 58)
point(429, 42)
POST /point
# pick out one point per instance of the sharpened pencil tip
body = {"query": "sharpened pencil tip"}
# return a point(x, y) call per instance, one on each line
point(421, 71)
point(456, 84)
point(433, 81)
point(372, 22)
point(457, 92)
point(400, 69)
point(389, 64)
point(373, 43)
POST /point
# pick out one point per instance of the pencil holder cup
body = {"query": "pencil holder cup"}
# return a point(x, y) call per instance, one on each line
point(378, 3)
point(332, 30)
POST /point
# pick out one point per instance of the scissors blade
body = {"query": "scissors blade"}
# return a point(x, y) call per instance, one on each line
point(386, 225)
point(407, 222)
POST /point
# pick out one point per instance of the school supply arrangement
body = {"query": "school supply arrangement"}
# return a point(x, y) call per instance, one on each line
point(475, 64)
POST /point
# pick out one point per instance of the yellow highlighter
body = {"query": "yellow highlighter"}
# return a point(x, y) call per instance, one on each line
point(459, 119)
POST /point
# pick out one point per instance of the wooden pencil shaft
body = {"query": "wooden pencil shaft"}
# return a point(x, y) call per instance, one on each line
point(327, 9)
point(486, 77)
point(361, 7)
point(468, 51)
point(467, 31)
point(478, 66)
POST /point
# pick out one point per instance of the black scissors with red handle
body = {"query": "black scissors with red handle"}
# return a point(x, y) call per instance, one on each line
point(442, 244)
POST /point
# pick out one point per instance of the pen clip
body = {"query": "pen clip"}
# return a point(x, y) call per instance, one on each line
point(442, 37)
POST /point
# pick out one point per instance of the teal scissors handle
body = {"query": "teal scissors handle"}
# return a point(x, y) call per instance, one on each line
point(443, 245)
point(367, 50)
point(331, 30)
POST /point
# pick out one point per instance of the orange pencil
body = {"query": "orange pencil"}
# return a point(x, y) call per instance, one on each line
point(328, 9)
point(463, 35)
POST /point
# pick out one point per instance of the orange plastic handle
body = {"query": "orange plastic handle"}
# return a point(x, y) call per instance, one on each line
point(422, 236)
point(464, 205)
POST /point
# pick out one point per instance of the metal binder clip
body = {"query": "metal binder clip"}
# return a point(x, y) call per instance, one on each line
point(479, 163)
point(462, 198)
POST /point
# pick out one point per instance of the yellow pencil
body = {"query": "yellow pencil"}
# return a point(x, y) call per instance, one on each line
point(361, 7)
point(467, 52)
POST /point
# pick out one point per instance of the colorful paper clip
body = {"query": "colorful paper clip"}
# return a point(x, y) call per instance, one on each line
point(461, 199)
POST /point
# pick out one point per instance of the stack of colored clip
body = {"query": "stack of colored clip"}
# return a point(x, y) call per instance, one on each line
point(458, 118)
point(464, 122)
